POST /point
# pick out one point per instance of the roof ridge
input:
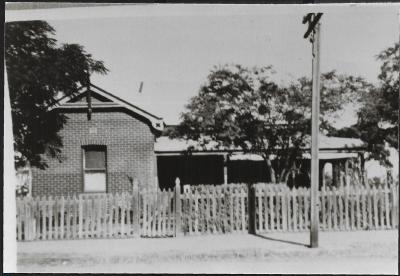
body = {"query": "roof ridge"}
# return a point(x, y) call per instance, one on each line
point(122, 100)
point(156, 122)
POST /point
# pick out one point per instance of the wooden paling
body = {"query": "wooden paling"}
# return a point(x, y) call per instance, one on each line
point(277, 209)
point(340, 207)
point(265, 194)
point(205, 209)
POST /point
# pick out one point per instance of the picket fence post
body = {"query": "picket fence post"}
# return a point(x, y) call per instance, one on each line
point(381, 207)
point(208, 209)
point(196, 212)
point(284, 210)
point(369, 204)
point(231, 214)
point(251, 203)
point(178, 210)
point(395, 198)
point(136, 208)
point(346, 207)
point(277, 209)
point(80, 234)
point(214, 210)
point(374, 193)
point(271, 209)
point(266, 209)
point(387, 212)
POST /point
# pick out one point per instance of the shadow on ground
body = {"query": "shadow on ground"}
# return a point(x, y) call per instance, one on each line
point(280, 240)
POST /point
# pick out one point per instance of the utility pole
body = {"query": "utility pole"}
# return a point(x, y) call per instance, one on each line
point(314, 28)
point(398, 111)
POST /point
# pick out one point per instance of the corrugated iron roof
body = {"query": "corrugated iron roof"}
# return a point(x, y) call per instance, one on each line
point(166, 144)
point(322, 155)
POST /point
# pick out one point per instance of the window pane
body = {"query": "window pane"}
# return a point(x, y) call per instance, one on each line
point(95, 182)
point(95, 159)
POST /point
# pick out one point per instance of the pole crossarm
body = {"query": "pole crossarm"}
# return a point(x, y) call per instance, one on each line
point(312, 20)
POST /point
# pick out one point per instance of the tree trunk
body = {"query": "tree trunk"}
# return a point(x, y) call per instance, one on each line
point(284, 176)
point(286, 172)
point(271, 170)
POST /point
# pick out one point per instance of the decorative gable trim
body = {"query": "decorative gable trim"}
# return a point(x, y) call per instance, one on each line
point(114, 101)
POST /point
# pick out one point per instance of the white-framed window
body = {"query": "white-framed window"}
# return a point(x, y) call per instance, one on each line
point(95, 169)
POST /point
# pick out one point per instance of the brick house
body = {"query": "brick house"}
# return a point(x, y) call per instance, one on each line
point(107, 142)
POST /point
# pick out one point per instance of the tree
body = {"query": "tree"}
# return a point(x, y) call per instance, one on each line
point(388, 102)
point(242, 107)
point(377, 122)
point(378, 117)
point(39, 71)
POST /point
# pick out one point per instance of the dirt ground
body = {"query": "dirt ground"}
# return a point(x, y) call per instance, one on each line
point(359, 252)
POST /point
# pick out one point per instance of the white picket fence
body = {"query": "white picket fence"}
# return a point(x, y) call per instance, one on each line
point(204, 209)
point(356, 208)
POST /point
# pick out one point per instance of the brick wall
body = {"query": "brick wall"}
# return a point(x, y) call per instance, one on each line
point(130, 153)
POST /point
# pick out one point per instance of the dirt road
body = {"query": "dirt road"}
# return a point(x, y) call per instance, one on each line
point(360, 252)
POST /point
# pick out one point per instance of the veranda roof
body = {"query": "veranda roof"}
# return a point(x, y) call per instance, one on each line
point(167, 145)
point(322, 155)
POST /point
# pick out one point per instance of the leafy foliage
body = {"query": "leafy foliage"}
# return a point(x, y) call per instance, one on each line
point(38, 72)
point(243, 108)
point(377, 123)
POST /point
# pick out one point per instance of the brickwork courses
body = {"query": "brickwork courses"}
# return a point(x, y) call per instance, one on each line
point(129, 145)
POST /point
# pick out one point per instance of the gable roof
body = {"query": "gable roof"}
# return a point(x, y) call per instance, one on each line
point(106, 99)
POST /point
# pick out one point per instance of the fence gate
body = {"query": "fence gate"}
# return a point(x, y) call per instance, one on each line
point(204, 209)
point(157, 214)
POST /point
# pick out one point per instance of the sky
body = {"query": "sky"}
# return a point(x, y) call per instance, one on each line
point(172, 48)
